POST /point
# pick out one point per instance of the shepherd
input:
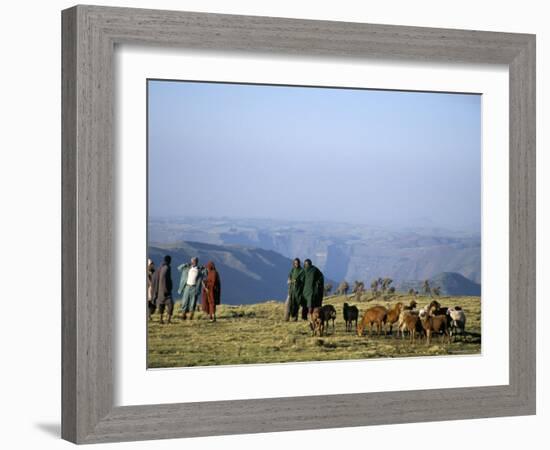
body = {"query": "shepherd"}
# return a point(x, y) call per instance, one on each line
point(314, 286)
point(295, 288)
point(211, 293)
point(151, 307)
point(190, 286)
point(162, 289)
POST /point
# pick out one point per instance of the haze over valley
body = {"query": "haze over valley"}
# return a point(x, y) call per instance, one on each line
point(262, 250)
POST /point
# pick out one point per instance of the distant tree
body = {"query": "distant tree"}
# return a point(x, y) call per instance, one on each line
point(358, 286)
point(391, 290)
point(426, 288)
point(374, 287)
point(436, 291)
point(411, 291)
point(386, 284)
point(328, 288)
point(343, 288)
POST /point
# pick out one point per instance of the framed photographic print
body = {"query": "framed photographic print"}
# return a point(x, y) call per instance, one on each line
point(253, 200)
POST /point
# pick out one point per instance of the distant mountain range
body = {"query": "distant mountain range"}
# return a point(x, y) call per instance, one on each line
point(451, 283)
point(340, 250)
point(251, 275)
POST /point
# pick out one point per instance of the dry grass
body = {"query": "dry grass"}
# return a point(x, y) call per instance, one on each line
point(253, 334)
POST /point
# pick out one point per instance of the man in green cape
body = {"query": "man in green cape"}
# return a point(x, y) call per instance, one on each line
point(295, 288)
point(314, 285)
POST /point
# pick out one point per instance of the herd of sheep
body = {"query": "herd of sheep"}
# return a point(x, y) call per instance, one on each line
point(424, 322)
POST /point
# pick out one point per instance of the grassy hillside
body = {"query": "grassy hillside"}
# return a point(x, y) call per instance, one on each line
point(252, 334)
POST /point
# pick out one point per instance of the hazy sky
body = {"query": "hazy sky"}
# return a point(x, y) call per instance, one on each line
point(384, 157)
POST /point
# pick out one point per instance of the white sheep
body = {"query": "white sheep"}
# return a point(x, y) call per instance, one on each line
point(458, 320)
point(423, 312)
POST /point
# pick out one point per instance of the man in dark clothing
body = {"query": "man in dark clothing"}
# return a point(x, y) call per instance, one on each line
point(151, 307)
point(162, 289)
point(314, 286)
point(295, 288)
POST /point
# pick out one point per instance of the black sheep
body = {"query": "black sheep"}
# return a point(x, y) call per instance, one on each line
point(351, 313)
point(329, 313)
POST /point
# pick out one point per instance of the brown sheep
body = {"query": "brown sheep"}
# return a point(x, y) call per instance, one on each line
point(409, 321)
point(411, 307)
point(350, 313)
point(434, 323)
point(401, 320)
point(375, 315)
point(393, 315)
point(317, 322)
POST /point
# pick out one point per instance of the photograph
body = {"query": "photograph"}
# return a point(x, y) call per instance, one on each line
point(295, 224)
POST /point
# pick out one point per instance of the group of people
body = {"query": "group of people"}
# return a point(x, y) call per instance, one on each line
point(306, 287)
point(194, 281)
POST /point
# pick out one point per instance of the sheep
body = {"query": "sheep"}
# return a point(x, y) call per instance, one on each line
point(411, 307)
point(409, 321)
point(439, 310)
point(425, 311)
point(375, 315)
point(350, 313)
point(329, 313)
point(393, 315)
point(317, 322)
point(458, 320)
point(401, 319)
point(433, 323)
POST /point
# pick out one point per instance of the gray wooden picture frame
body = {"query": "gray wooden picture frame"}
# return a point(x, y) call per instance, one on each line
point(89, 37)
